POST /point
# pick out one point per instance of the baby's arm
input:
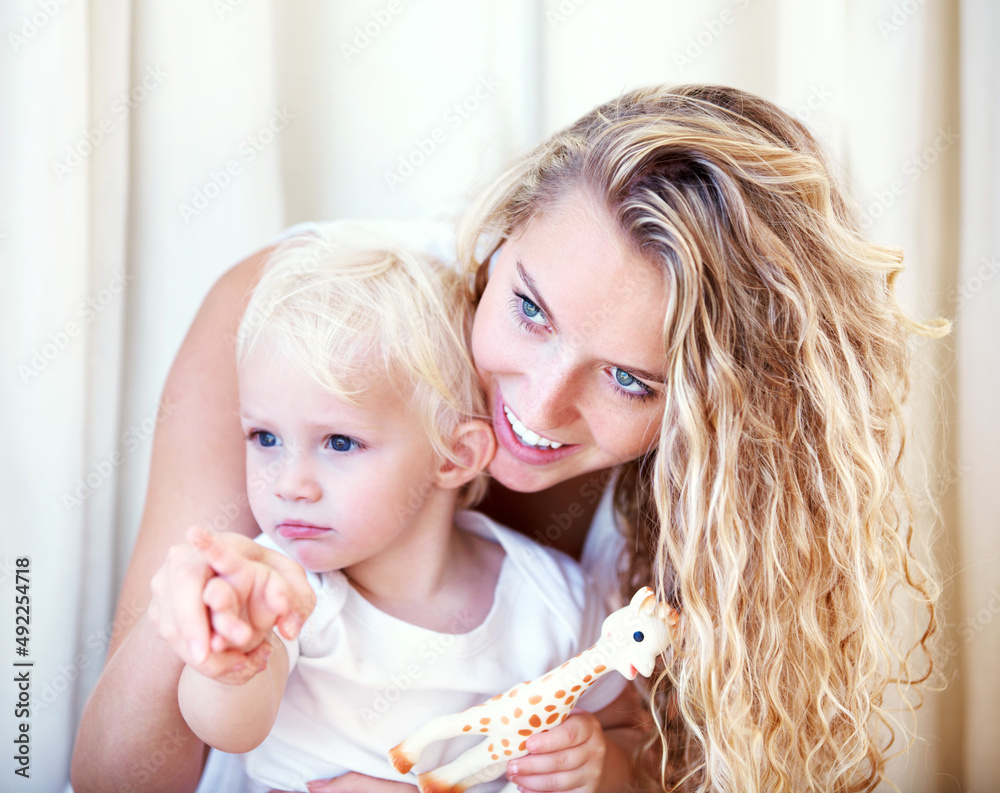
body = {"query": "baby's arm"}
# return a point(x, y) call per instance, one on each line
point(235, 717)
point(589, 752)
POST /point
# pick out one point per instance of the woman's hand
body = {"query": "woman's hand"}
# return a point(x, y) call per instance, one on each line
point(569, 757)
point(357, 783)
point(247, 588)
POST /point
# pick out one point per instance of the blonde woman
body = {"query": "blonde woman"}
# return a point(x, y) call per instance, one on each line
point(673, 289)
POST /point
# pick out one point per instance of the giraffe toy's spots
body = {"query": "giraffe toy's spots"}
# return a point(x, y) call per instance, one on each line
point(550, 697)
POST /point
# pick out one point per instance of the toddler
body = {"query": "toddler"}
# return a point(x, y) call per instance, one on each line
point(362, 415)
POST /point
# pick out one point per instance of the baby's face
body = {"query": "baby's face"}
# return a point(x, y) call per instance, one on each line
point(332, 483)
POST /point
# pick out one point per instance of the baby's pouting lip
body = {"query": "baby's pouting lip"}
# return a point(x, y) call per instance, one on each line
point(299, 530)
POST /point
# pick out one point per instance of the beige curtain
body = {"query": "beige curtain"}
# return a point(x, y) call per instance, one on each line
point(148, 146)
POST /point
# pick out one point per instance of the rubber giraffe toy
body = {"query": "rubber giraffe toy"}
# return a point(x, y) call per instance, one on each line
point(631, 640)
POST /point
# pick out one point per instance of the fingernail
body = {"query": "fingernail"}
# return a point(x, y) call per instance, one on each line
point(511, 769)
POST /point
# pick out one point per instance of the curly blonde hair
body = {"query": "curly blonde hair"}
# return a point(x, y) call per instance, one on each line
point(773, 510)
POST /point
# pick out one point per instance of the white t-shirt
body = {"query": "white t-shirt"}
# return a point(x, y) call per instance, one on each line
point(361, 680)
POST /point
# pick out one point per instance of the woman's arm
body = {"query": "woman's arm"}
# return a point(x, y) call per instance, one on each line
point(196, 476)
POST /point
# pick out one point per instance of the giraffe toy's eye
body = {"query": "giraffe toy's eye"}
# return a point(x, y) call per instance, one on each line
point(638, 636)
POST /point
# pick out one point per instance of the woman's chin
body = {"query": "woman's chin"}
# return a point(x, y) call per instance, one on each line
point(523, 477)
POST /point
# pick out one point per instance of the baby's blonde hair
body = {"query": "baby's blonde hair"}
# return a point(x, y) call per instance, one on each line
point(344, 304)
point(773, 510)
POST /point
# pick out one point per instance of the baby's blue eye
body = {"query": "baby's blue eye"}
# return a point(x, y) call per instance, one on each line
point(638, 636)
point(265, 439)
point(341, 443)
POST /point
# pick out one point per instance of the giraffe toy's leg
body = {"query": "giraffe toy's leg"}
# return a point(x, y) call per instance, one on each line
point(406, 754)
point(478, 764)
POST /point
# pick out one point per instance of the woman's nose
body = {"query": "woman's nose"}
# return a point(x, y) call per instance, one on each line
point(295, 480)
point(549, 397)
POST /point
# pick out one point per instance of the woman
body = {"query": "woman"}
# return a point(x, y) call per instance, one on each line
point(674, 288)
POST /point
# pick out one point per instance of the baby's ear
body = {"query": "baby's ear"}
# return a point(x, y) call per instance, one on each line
point(474, 445)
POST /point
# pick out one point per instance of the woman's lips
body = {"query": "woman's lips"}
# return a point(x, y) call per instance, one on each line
point(533, 455)
point(299, 531)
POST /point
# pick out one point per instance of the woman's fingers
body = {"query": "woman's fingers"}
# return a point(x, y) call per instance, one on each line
point(177, 608)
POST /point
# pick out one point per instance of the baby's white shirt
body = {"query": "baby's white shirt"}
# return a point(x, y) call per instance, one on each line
point(361, 680)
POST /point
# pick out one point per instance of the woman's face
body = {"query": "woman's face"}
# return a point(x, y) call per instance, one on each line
point(568, 342)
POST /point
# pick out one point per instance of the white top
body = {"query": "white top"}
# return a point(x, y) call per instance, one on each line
point(361, 680)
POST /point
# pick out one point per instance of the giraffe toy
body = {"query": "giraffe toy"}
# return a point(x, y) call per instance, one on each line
point(631, 640)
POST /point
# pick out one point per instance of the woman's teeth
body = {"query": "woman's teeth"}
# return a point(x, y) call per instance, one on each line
point(526, 436)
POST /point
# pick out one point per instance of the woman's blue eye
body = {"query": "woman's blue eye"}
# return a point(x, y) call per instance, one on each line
point(341, 443)
point(626, 382)
point(638, 636)
point(531, 311)
point(266, 440)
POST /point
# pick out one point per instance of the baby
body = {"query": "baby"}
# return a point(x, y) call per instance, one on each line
point(362, 415)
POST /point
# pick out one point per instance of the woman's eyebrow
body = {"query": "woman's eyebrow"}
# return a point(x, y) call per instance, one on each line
point(533, 288)
point(650, 377)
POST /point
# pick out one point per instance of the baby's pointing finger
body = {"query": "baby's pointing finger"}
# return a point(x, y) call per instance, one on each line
point(300, 593)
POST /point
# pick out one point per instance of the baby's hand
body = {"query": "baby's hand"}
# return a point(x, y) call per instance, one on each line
point(247, 589)
point(568, 757)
